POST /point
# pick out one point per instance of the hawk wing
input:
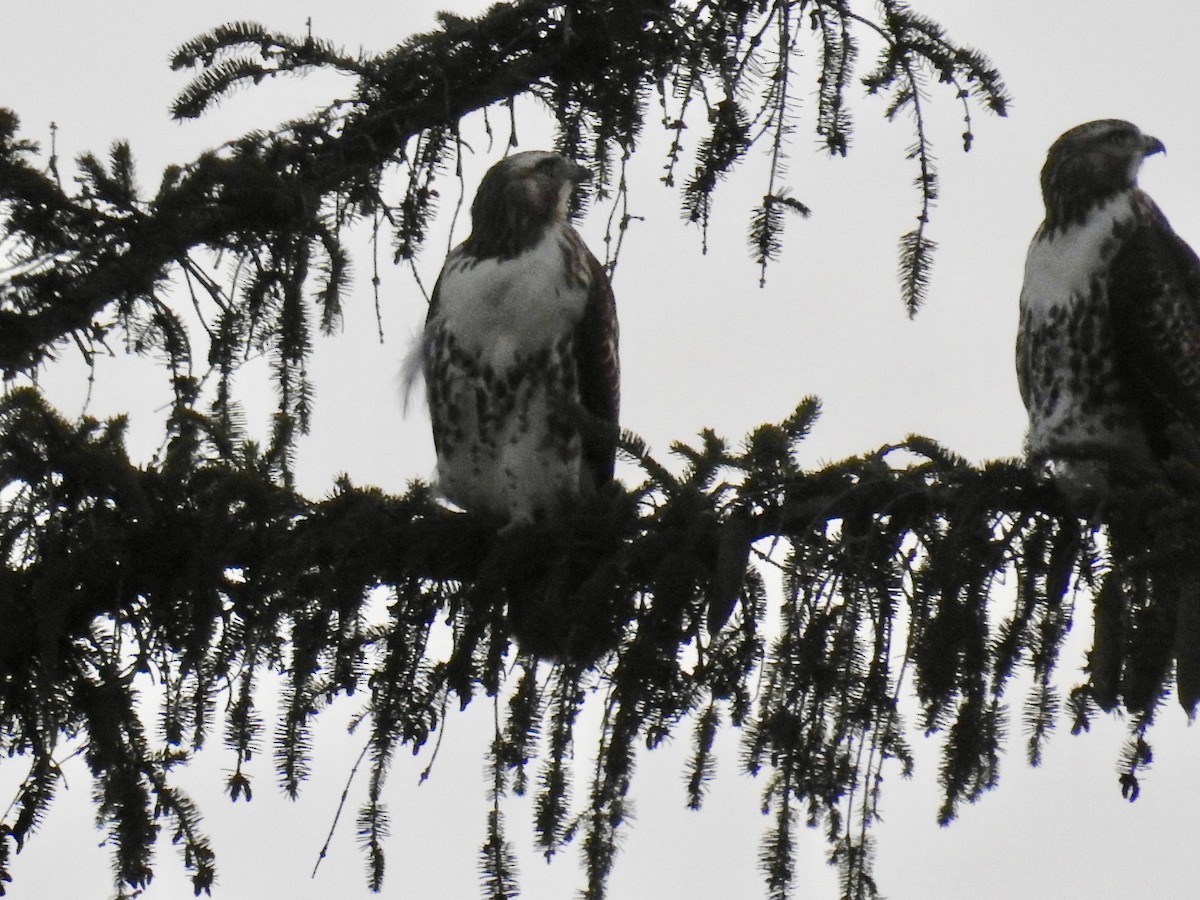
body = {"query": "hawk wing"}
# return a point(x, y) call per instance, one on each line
point(1154, 296)
point(596, 340)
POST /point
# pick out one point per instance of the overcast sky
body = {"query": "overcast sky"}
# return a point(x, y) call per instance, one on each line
point(702, 345)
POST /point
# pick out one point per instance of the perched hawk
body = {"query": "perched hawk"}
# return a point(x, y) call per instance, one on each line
point(1108, 351)
point(519, 350)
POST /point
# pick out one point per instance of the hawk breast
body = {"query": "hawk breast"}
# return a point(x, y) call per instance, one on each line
point(500, 360)
point(1066, 359)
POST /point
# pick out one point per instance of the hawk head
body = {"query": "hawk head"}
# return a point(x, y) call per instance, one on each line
point(1089, 164)
point(518, 199)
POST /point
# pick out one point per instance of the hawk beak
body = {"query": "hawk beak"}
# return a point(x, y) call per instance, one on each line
point(1152, 145)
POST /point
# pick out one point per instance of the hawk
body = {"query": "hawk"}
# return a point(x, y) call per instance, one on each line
point(519, 350)
point(1108, 360)
point(1108, 349)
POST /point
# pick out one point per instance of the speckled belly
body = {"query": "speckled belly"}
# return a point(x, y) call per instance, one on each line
point(1078, 407)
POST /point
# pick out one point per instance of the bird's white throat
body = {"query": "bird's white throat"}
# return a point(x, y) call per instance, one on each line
point(1060, 265)
point(503, 308)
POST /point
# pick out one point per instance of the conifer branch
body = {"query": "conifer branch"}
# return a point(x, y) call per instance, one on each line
point(206, 568)
point(870, 540)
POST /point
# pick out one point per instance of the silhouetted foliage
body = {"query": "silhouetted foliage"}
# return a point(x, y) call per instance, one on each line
point(207, 569)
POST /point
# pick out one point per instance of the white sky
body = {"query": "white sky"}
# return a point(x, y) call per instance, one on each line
point(701, 346)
